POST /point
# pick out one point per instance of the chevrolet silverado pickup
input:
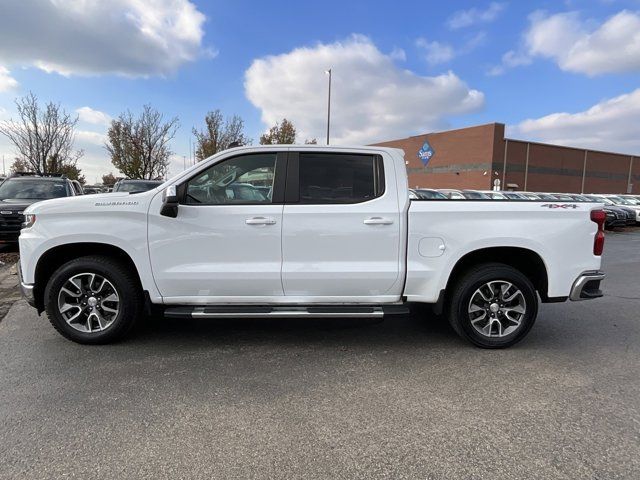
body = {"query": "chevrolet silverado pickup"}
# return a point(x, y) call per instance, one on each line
point(304, 231)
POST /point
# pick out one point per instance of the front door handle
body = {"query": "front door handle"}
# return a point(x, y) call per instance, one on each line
point(260, 221)
point(378, 221)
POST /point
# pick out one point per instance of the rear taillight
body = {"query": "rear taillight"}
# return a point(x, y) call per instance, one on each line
point(599, 217)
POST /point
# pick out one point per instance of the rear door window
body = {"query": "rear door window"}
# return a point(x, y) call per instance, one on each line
point(339, 178)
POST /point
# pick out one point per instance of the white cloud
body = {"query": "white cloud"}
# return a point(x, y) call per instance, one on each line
point(372, 99)
point(612, 47)
point(91, 37)
point(435, 52)
point(7, 82)
point(96, 117)
point(398, 54)
point(511, 59)
point(608, 125)
point(473, 16)
point(84, 137)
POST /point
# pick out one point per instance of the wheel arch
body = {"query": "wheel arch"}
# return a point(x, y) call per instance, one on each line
point(56, 256)
point(525, 260)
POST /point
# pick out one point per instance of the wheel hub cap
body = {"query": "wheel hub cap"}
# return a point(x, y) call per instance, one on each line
point(92, 302)
point(497, 308)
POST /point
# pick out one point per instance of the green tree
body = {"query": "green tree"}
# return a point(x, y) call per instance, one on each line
point(280, 134)
point(139, 146)
point(109, 179)
point(218, 134)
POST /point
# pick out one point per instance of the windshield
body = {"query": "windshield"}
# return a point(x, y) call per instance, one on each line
point(606, 201)
point(133, 186)
point(513, 196)
point(32, 189)
point(621, 200)
point(475, 196)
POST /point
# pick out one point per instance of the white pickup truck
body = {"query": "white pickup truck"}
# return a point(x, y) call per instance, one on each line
point(304, 231)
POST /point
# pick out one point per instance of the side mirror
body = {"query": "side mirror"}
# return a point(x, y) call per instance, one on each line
point(170, 202)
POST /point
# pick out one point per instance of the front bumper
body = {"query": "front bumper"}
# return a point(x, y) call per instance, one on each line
point(587, 286)
point(26, 289)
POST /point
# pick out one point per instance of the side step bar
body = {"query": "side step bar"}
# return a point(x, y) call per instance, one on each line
point(258, 311)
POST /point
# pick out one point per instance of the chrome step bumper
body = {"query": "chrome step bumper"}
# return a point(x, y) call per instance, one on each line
point(587, 286)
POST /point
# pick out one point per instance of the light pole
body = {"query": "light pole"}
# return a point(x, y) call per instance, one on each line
point(328, 72)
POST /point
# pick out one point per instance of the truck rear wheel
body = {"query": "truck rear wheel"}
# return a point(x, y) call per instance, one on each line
point(493, 306)
point(93, 300)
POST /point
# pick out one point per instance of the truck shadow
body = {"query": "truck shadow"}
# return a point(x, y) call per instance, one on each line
point(397, 330)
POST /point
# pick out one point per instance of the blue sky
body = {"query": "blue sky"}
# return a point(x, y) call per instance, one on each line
point(553, 71)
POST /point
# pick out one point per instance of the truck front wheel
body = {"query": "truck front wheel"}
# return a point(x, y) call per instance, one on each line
point(493, 306)
point(93, 299)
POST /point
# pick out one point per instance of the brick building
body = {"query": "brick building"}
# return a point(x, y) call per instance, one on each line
point(476, 157)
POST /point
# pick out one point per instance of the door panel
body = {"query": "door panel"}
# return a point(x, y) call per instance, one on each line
point(226, 240)
point(333, 250)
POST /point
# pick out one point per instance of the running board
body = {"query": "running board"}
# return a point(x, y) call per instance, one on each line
point(246, 311)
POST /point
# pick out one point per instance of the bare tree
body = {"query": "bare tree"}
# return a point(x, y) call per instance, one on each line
point(219, 134)
point(43, 137)
point(280, 134)
point(139, 147)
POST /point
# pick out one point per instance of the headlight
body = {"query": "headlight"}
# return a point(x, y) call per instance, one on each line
point(29, 220)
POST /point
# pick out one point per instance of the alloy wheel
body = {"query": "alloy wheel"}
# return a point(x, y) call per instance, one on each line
point(88, 302)
point(497, 308)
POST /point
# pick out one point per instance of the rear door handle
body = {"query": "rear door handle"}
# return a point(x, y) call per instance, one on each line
point(260, 221)
point(378, 221)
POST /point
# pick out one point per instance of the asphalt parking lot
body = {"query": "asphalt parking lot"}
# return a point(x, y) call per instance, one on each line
point(403, 398)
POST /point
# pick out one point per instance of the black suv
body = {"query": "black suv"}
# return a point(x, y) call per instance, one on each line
point(21, 190)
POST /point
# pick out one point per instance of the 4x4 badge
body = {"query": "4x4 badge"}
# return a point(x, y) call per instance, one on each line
point(560, 205)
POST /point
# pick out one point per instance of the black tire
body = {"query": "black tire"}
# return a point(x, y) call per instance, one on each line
point(123, 280)
point(469, 283)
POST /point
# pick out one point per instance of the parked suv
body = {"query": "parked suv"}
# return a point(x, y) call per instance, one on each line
point(136, 186)
point(21, 190)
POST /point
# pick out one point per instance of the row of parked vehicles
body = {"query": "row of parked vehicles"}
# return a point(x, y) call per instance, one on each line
point(621, 210)
point(22, 189)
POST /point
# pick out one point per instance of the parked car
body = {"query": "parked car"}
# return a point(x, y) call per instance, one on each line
point(630, 213)
point(514, 196)
point(77, 187)
point(452, 194)
point(136, 186)
point(430, 194)
point(19, 191)
point(475, 195)
point(494, 194)
point(339, 238)
point(91, 190)
point(616, 217)
point(628, 203)
point(530, 196)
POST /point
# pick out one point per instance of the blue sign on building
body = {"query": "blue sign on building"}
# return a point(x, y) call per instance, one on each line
point(425, 153)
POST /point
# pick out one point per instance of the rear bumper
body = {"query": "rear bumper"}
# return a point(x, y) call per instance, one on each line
point(587, 286)
point(26, 289)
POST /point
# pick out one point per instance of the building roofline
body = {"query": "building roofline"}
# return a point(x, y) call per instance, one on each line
point(581, 149)
point(440, 131)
